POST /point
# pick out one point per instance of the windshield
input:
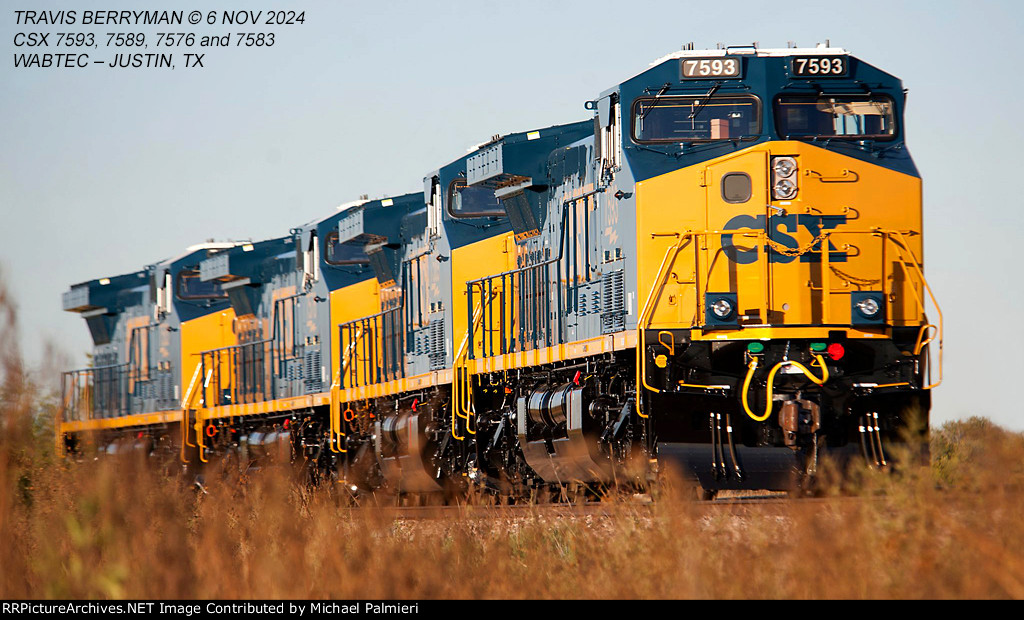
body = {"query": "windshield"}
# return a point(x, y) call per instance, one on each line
point(695, 118)
point(190, 286)
point(474, 201)
point(835, 116)
point(344, 253)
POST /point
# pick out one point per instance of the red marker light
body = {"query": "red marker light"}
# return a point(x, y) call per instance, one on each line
point(415, 402)
point(836, 351)
point(576, 379)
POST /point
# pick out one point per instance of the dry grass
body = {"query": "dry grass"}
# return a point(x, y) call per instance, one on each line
point(122, 528)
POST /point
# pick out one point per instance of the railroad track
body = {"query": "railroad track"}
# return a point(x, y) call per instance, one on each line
point(642, 507)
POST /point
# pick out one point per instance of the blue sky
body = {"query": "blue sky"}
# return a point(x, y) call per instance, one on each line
point(103, 171)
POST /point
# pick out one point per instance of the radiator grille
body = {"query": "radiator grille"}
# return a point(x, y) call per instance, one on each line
point(311, 372)
point(613, 302)
point(436, 344)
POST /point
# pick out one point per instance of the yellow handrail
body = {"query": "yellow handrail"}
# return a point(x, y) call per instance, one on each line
point(903, 245)
point(462, 389)
point(200, 443)
point(334, 416)
point(335, 410)
point(186, 400)
point(643, 319)
point(896, 237)
point(643, 322)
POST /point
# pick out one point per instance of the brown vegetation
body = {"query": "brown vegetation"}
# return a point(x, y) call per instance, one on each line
point(122, 528)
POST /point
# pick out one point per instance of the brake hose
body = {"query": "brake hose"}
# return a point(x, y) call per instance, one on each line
point(771, 380)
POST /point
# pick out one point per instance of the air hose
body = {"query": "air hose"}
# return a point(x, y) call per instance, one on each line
point(771, 380)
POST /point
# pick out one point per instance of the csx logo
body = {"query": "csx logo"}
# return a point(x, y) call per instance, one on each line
point(778, 227)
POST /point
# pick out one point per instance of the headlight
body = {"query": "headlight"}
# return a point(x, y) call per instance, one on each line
point(868, 307)
point(784, 167)
point(784, 178)
point(784, 189)
point(722, 308)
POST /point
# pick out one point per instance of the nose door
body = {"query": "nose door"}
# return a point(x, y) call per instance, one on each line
point(734, 268)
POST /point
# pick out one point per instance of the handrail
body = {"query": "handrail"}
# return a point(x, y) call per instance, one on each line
point(335, 406)
point(544, 263)
point(462, 399)
point(89, 369)
point(113, 385)
point(897, 237)
point(333, 390)
point(276, 351)
point(369, 323)
point(187, 398)
point(334, 417)
point(234, 346)
point(200, 443)
point(644, 321)
point(350, 355)
point(931, 295)
point(368, 317)
point(185, 402)
point(347, 358)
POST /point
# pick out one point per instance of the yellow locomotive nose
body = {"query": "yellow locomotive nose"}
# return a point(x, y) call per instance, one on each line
point(783, 234)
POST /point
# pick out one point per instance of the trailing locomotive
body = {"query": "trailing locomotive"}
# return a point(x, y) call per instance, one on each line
point(721, 270)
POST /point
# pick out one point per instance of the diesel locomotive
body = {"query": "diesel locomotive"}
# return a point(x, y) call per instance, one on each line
point(720, 271)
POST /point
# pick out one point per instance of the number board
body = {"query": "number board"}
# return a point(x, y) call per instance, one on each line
point(819, 66)
point(709, 68)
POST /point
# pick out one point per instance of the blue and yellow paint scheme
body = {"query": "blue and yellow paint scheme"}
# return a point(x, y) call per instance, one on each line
point(721, 270)
point(143, 325)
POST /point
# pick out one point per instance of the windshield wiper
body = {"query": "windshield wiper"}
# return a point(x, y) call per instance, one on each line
point(707, 98)
point(655, 102)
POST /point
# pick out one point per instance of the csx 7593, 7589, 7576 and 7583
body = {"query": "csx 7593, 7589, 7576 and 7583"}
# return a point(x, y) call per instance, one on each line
point(720, 270)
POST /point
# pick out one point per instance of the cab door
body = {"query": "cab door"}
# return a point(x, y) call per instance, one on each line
point(733, 262)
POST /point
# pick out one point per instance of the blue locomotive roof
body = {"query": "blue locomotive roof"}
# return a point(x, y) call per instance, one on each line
point(258, 262)
point(370, 222)
point(520, 157)
point(113, 294)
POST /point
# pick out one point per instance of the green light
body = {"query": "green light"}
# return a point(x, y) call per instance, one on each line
point(817, 347)
point(755, 347)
